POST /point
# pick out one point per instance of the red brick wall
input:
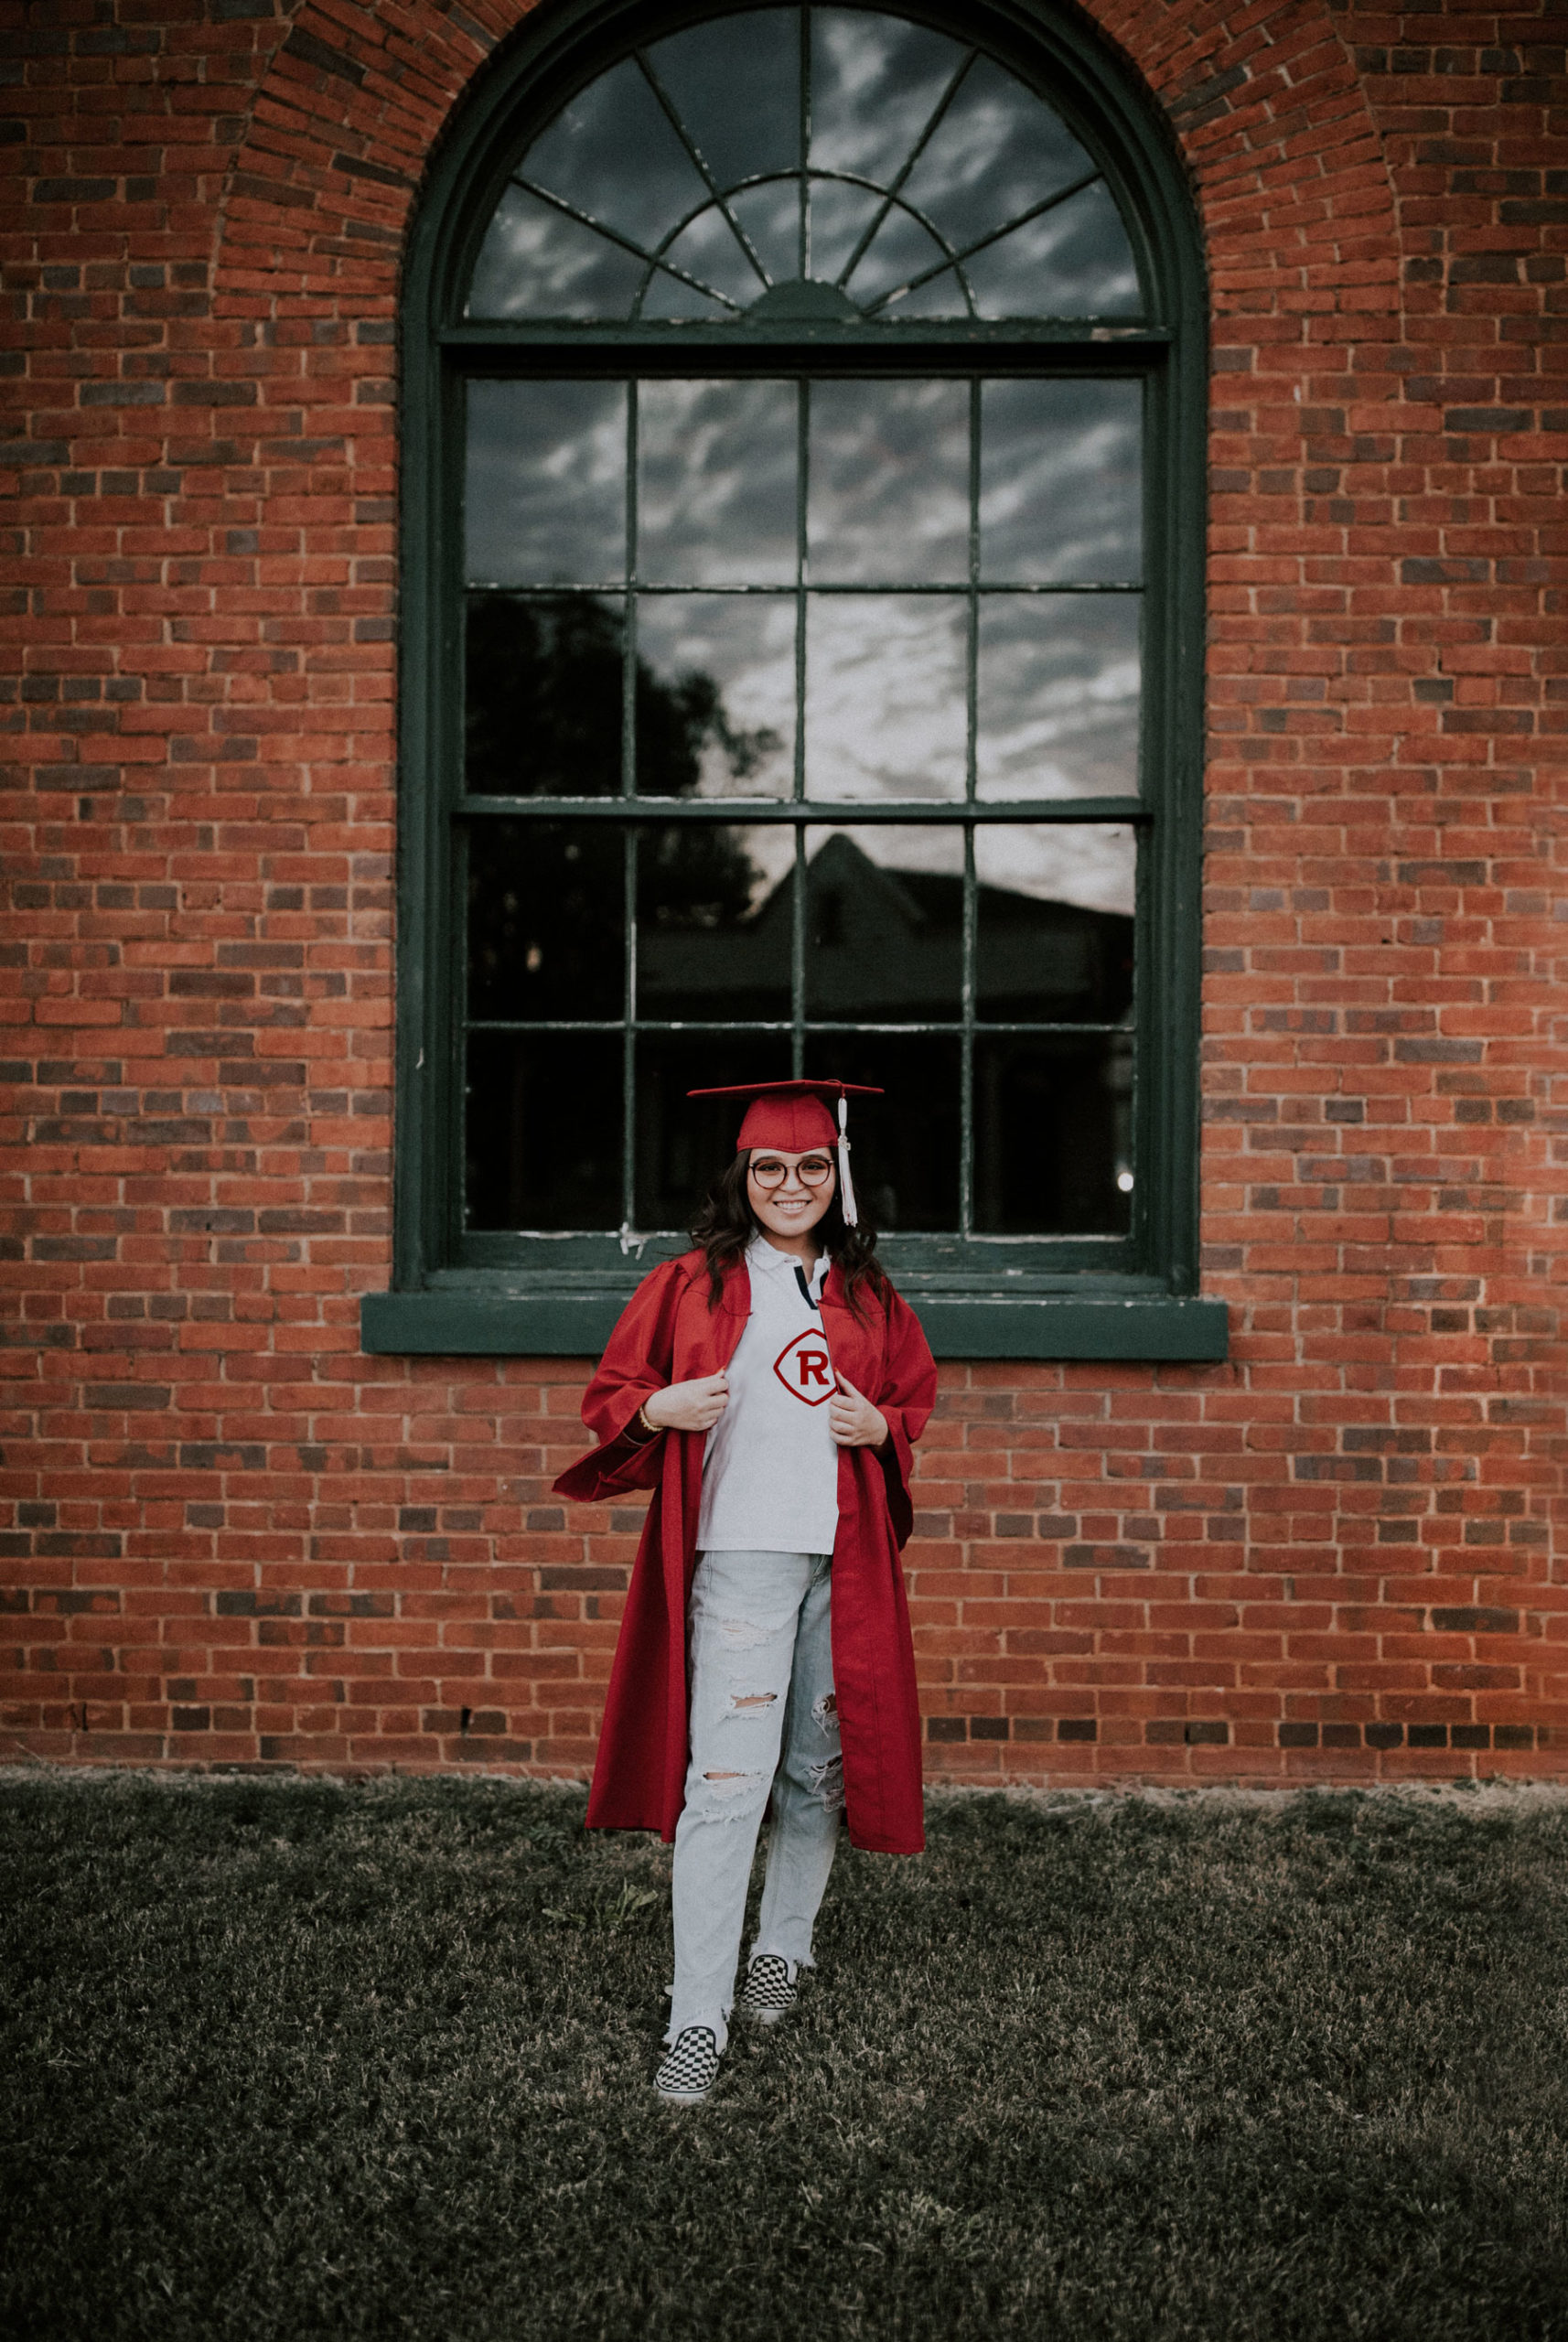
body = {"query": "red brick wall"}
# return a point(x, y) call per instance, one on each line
point(230, 1537)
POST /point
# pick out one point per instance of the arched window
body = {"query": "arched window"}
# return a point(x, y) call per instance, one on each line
point(802, 669)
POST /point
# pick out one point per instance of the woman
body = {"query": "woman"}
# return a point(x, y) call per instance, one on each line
point(768, 1386)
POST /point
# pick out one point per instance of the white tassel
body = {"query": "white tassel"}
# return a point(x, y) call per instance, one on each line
point(847, 1185)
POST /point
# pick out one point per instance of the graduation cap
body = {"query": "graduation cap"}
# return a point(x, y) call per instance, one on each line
point(794, 1115)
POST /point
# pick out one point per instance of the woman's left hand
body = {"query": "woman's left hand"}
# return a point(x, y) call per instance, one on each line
point(851, 1419)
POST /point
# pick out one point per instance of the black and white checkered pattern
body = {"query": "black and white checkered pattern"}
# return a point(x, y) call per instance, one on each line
point(692, 2068)
point(767, 1995)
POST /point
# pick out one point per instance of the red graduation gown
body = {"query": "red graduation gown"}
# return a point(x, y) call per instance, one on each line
point(667, 1333)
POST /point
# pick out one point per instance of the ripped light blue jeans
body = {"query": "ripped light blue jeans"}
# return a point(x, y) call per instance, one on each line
point(764, 1720)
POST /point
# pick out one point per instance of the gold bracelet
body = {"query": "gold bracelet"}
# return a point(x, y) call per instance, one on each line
point(651, 1429)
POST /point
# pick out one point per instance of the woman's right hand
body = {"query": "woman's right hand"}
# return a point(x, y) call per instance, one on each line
point(689, 1406)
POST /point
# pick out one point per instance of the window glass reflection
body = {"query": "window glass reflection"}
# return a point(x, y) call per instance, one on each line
point(531, 1164)
point(717, 474)
point(906, 1143)
point(770, 217)
point(613, 155)
point(885, 924)
point(736, 83)
point(940, 296)
point(684, 1143)
point(1053, 1120)
point(1072, 262)
point(895, 106)
point(716, 698)
point(547, 921)
point(1054, 922)
point(542, 696)
point(545, 501)
point(535, 262)
point(669, 297)
point(889, 482)
point(1057, 695)
point(901, 250)
point(675, 656)
point(710, 251)
point(876, 83)
point(885, 695)
point(997, 151)
point(842, 215)
point(1061, 482)
point(714, 938)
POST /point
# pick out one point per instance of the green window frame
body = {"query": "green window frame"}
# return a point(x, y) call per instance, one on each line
point(459, 1291)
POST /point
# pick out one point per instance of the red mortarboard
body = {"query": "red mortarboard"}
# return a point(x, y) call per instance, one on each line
point(794, 1115)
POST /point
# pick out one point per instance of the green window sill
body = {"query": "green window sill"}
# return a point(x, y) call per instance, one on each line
point(455, 1324)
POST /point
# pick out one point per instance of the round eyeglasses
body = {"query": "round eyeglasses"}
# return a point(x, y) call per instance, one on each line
point(813, 1170)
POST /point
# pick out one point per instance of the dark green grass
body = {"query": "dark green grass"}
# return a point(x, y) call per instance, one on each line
point(284, 2058)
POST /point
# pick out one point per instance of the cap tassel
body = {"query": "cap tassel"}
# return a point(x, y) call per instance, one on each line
point(847, 1185)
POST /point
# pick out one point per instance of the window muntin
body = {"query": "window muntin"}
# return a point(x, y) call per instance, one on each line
point(801, 621)
point(898, 171)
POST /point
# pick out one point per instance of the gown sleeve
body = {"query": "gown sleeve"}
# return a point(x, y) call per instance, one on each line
point(908, 1393)
point(636, 1363)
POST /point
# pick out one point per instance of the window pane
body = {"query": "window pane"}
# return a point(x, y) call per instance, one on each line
point(1061, 482)
point(717, 470)
point(612, 154)
point(841, 215)
point(546, 919)
point(1074, 261)
point(1053, 1135)
point(876, 82)
point(736, 84)
point(901, 250)
point(885, 925)
point(684, 1143)
point(713, 937)
point(1059, 683)
point(771, 215)
point(715, 702)
point(904, 1145)
point(885, 695)
point(997, 151)
point(541, 711)
point(711, 251)
point(543, 1133)
point(1047, 949)
point(669, 297)
point(545, 499)
point(536, 262)
point(941, 297)
point(889, 474)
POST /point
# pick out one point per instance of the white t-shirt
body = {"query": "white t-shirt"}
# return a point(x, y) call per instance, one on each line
point(770, 1470)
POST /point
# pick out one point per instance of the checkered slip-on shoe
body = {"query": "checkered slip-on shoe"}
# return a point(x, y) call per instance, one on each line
point(691, 2069)
point(767, 1995)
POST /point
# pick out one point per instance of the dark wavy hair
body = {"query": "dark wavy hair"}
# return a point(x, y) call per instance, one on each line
point(726, 1225)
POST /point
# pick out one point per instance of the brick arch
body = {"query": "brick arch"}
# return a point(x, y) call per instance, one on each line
point(1294, 193)
point(354, 104)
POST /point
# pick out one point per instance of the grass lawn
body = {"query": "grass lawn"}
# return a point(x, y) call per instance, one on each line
point(288, 2058)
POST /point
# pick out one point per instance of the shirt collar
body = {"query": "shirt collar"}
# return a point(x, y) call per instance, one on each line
point(761, 1254)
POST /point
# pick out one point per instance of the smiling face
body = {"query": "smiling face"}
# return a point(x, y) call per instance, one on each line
point(789, 1193)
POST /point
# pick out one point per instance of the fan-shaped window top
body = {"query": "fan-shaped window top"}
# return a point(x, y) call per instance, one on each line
point(806, 162)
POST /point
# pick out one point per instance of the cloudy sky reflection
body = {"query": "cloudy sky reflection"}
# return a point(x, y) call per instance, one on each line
point(613, 160)
point(887, 503)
